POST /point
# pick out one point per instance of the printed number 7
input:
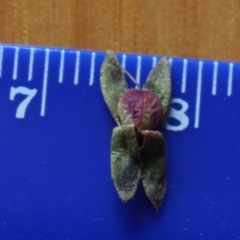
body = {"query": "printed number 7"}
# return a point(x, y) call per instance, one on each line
point(20, 113)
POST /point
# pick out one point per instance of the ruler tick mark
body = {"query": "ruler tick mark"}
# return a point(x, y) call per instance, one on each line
point(76, 75)
point(31, 62)
point(15, 66)
point(45, 80)
point(1, 60)
point(184, 76)
point(124, 58)
point(154, 62)
point(215, 73)
point(139, 65)
point(198, 97)
point(91, 80)
point(230, 79)
point(61, 68)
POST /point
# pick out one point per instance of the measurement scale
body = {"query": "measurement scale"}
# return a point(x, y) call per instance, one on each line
point(55, 133)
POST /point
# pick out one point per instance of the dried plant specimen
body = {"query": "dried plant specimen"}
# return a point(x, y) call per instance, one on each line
point(137, 151)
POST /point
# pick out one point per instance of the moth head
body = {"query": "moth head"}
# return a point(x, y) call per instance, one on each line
point(140, 107)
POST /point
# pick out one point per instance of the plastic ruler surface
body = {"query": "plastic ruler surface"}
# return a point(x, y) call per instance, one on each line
point(55, 134)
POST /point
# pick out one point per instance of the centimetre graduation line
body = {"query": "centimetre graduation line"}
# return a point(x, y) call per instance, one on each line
point(31, 62)
point(15, 66)
point(184, 75)
point(124, 60)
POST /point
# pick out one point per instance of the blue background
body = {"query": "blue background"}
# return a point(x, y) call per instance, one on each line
point(55, 178)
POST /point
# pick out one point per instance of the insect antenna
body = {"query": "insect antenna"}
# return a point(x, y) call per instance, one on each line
point(132, 78)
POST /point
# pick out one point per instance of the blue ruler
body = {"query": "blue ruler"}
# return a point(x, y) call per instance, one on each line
point(55, 133)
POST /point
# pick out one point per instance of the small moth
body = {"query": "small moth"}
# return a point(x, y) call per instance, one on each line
point(137, 151)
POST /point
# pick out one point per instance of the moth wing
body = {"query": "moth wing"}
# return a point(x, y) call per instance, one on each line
point(113, 82)
point(153, 156)
point(125, 157)
point(159, 82)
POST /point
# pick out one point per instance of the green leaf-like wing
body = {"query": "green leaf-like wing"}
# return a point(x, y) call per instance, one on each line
point(113, 83)
point(125, 158)
point(153, 166)
point(159, 82)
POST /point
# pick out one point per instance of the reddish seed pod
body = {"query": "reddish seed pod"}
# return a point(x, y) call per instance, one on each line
point(140, 107)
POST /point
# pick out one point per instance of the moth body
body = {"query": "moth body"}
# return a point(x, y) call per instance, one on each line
point(137, 151)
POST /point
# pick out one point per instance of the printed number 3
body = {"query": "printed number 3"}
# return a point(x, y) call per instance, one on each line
point(180, 115)
point(30, 93)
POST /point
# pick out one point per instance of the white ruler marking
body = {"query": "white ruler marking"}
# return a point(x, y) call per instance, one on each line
point(77, 64)
point(198, 97)
point(61, 68)
point(124, 57)
point(45, 80)
point(139, 65)
point(230, 79)
point(1, 60)
point(31, 62)
point(154, 62)
point(91, 80)
point(184, 76)
point(215, 73)
point(15, 66)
